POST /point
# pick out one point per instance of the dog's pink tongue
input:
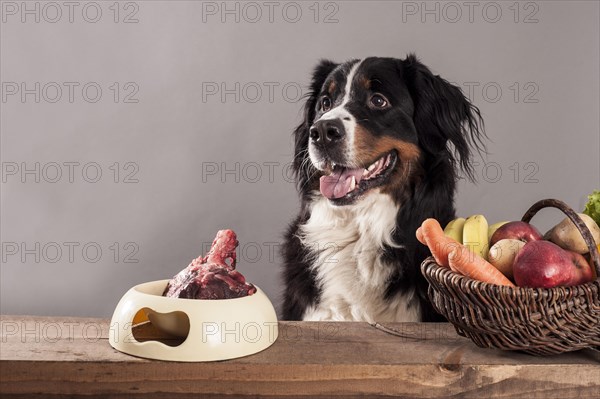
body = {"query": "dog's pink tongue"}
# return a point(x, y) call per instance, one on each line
point(337, 184)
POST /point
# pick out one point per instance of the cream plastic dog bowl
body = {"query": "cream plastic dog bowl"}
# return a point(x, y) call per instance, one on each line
point(215, 329)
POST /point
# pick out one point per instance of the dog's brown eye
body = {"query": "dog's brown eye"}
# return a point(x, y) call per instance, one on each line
point(325, 104)
point(378, 101)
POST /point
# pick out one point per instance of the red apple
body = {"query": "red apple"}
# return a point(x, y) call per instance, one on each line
point(590, 261)
point(584, 273)
point(543, 264)
point(516, 231)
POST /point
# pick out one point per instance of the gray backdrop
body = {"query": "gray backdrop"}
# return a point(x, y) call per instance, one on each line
point(132, 133)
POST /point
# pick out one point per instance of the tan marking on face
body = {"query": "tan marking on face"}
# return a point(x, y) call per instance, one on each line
point(366, 83)
point(368, 148)
point(331, 87)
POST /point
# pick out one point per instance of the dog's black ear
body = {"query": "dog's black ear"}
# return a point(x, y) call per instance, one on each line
point(444, 115)
point(303, 168)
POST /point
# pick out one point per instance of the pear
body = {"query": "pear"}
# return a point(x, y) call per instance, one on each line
point(567, 236)
point(454, 229)
point(493, 227)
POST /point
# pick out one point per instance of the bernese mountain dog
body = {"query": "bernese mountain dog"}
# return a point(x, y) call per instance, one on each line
point(381, 146)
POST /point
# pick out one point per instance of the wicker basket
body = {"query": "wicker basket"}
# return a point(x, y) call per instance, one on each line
point(540, 321)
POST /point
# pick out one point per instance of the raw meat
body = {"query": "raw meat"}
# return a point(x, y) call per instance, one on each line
point(213, 276)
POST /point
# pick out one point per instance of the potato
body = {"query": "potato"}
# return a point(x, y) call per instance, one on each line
point(502, 255)
point(567, 236)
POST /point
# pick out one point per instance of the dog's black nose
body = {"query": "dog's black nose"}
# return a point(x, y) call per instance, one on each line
point(327, 131)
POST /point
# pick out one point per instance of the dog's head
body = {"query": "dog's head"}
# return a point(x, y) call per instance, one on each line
point(379, 124)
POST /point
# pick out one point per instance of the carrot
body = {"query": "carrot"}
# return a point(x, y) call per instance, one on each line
point(450, 253)
point(439, 244)
point(474, 266)
point(422, 239)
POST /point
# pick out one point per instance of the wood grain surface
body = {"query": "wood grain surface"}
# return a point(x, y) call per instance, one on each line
point(71, 357)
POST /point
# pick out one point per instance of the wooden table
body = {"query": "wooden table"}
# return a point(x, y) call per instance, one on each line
point(44, 356)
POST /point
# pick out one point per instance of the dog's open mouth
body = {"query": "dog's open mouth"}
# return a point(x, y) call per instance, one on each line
point(344, 184)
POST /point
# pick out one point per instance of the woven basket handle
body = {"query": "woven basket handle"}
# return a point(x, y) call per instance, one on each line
point(571, 214)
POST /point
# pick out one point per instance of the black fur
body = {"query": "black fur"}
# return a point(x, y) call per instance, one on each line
point(303, 168)
point(447, 128)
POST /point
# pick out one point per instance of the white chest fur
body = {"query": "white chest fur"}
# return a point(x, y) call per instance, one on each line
point(346, 244)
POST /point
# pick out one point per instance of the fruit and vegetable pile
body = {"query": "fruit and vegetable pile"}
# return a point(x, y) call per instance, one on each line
point(515, 252)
